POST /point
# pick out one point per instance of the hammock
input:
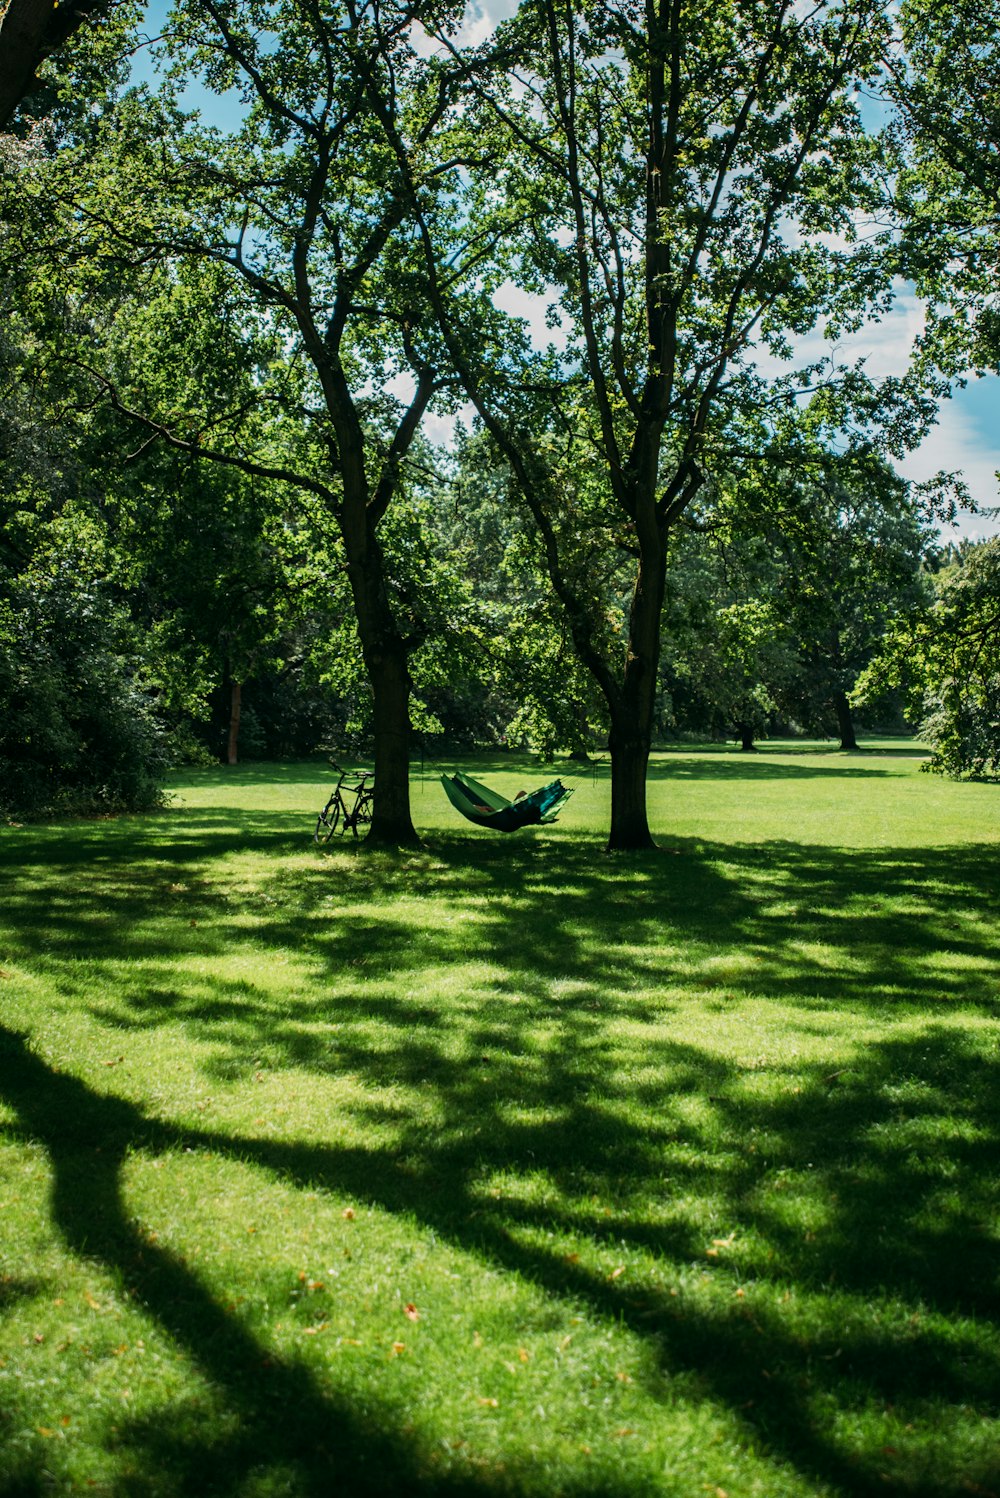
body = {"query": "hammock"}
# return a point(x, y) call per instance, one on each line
point(484, 807)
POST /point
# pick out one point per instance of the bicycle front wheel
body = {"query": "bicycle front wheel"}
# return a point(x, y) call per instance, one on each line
point(327, 822)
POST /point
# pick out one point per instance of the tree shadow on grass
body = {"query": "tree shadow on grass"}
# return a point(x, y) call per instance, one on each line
point(281, 1419)
point(757, 767)
point(897, 1153)
point(903, 1227)
point(15, 1289)
point(880, 929)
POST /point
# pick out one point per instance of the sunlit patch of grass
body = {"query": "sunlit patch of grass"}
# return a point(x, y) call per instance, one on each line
point(506, 1166)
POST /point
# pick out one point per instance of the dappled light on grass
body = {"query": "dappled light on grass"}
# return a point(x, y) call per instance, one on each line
point(500, 1167)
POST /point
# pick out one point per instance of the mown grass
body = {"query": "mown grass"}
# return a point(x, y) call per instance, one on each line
point(507, 1166)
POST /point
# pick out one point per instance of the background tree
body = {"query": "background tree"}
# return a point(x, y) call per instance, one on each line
point(529, 685)
point(206, 553)
point(298, 214)
point(780, 589)
point(850, 541)
point(729, 655)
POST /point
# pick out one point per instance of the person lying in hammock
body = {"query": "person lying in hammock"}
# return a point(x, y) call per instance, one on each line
point(487, 808)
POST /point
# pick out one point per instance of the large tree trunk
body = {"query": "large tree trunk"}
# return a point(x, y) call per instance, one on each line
point(392, 824)
point(386, 661)
point(632, 710)
point(745, 735)
point(629, 763)
point(845, 723)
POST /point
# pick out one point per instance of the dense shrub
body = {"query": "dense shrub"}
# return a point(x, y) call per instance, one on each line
point(947, 659)
point(960, 658)
point(77, 732)
point(962, 725)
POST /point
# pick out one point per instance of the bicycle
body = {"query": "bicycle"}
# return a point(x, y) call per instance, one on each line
point(337, 815)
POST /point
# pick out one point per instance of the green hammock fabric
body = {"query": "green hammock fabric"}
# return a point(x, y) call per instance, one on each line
point(488, 809)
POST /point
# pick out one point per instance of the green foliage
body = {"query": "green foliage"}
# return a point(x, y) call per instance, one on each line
point(553, 704)
point(849, 542)
point(216, 569)
point(962, 724)
point(77, 729)
point(61, 61)
point(947, 657)
point(518, 679)
point(947, 187)
point(729, 654)
point(783, 590)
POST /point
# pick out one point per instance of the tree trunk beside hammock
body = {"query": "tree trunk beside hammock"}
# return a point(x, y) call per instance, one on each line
point(632, 702)
point(386, 659)
point(392, 823)
point(645, 502)
point(315, 291)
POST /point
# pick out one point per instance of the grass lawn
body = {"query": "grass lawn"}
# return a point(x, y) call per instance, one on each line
point(507, 1166)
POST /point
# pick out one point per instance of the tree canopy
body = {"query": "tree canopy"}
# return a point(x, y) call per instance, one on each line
point(671, 178)
point(248, 327)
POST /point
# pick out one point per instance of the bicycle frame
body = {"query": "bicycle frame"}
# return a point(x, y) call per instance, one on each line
point(341, 811)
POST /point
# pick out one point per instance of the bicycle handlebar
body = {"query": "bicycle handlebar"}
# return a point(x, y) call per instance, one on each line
point(362, 776)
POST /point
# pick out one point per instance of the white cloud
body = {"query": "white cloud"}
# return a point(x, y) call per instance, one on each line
point(956, 444)
point(533, 307)
point(885, 345)
point(488, 17)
